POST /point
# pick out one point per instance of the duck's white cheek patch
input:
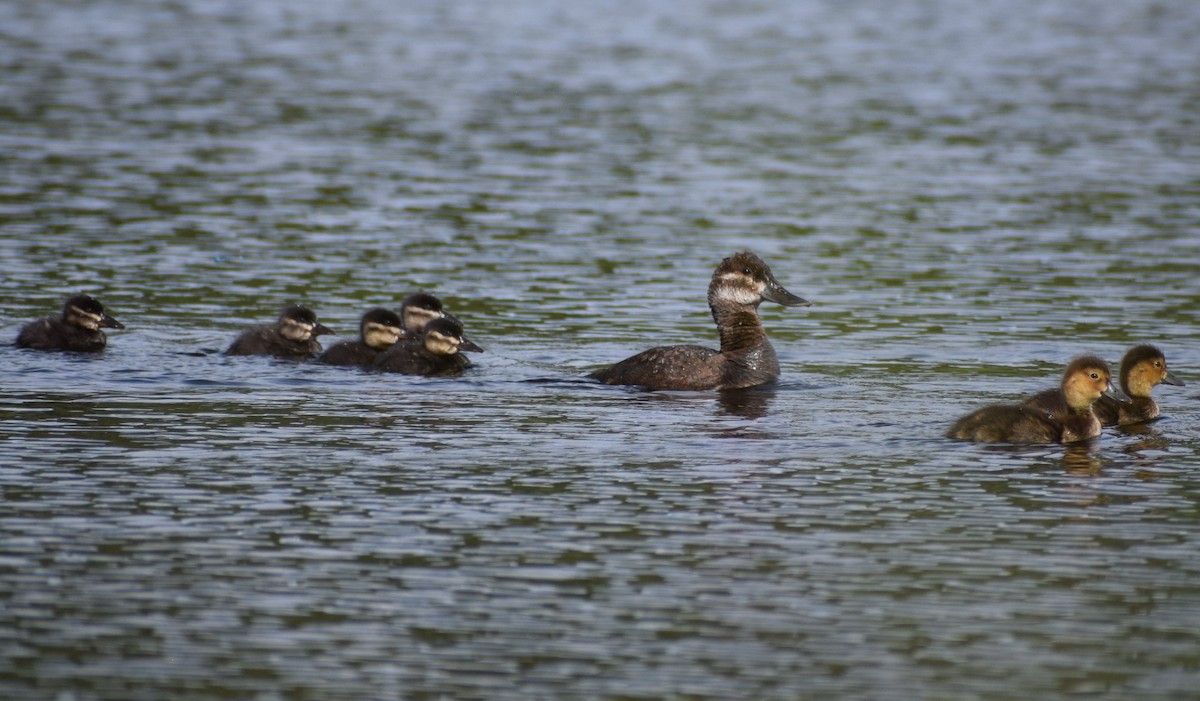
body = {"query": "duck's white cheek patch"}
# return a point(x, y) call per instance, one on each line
point(737, 293)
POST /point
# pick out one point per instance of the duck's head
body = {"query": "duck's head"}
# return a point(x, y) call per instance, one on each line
point(745, 279)
point(1142, 368)
point(86, 312)
point(419, 309)
point(299, 324)
point(445, 337)
point(1085, 379)
point(380, 328)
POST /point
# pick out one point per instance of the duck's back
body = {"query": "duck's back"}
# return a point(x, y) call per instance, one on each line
point(52, 333)
point(683, 367)
point(348, 353)
point(266, 340)
point(1011, 423)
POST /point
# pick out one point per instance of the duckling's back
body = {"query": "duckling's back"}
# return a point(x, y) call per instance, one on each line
point(1110, 412)
point(266, 340)
point(1010, 423)
point(411, 357)
point(1073, 425)
point(52, 333)
point(348, 353)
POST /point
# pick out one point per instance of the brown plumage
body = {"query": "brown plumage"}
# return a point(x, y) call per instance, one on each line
point(419, 309)
point(76, 329)
point(746, 359)
point(436, 352)
point(1142, 369)
point(1062, 415)
point(378, 330)
point(293, 336)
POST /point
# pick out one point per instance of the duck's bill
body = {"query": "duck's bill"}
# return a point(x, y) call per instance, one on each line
point(469, 346)
point(775, 292)
point(1171, 379)
point(321, 330)
point(110, 323)
point(1114, 393)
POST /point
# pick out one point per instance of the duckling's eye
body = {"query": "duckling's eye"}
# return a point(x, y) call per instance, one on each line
point(1095, 376)
point(1158, 364)
point(746, 271)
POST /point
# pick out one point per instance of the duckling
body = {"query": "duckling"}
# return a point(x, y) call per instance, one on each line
point(292, 337)
point(746, 359)
point(437, 351)
point(1142, 368)
point(78, 329)
point(1062, 415)
point(378, 330)
point(419, 309)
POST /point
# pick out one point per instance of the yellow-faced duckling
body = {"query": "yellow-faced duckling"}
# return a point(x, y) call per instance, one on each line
point(293, 337)
point(437, 351)
point(1142, 368)
point(77, 329)
point(746, 359)
point(1062, 415)
point(378, 330)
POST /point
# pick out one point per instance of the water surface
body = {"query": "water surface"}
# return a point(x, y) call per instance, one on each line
point(969, 195)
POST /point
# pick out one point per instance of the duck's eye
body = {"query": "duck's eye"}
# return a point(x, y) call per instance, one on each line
point(1095, 376)
point(1158, 364)
point(746, 271)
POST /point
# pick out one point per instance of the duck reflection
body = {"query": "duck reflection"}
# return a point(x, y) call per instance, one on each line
point(751, 403)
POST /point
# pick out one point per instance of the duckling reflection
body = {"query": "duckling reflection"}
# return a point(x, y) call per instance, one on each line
point(378, 330)
point(76, 329)
point(1142, 369)
point(293, 336)
point(1146, 439)
point(1081, 458)
point(746, 359)
point(1062, 415)
point(438, 351)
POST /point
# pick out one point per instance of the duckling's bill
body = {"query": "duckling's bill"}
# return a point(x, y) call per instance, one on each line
point(1115, 393)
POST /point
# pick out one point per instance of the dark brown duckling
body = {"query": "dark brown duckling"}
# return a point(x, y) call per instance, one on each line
point(746, 359)
point(378, 330)
point(1142, 368)
point(438, 351)
point(1062, 415)
point(77, 329)
point(293, 337)
point(419, 309)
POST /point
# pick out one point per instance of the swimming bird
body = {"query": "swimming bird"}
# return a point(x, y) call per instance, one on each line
point(746, 359)
point(1062, 415)
point(378, 330)
point(293, 336)
point(77, 329)
point(1142, 368)
point(438, 351)
point(419, 309)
